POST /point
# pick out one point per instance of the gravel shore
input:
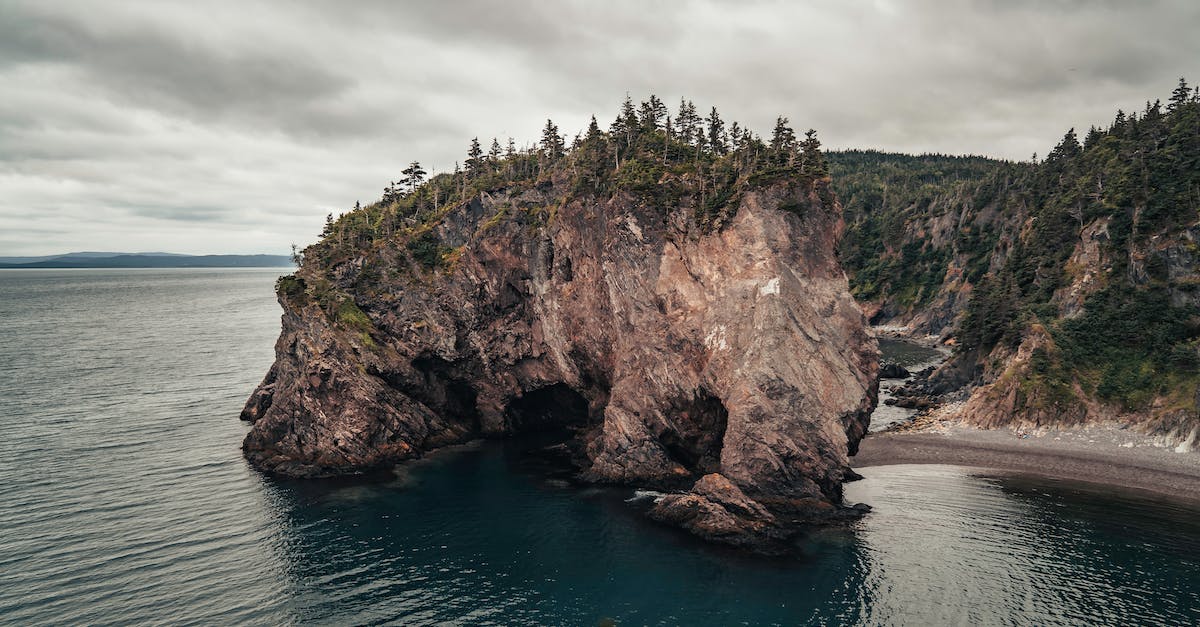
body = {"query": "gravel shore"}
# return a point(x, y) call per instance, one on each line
point(1097, 454)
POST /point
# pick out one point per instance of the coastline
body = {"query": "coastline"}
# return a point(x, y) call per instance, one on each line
point(1103, 454)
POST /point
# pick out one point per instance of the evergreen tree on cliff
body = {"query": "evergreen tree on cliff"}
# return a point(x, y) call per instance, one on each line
point(474, 163)
point(653, 112)
point(1180, 96)
point(687, 121)
point(414, 175)
point(1068, 148)
point(625, 127)
point(783, 141)
point(717, 139)
point(593, 132)
point(812, 160)
point(552, 142)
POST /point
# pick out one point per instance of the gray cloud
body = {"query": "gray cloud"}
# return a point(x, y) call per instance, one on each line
point(235, 126)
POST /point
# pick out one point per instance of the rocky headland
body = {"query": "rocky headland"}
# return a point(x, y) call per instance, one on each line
point(708, 349)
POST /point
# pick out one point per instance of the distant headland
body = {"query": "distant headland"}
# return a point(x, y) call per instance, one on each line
point(145, 260)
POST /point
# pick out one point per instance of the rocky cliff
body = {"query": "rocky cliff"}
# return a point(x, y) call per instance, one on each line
point(1068, 285)
point(672, 346)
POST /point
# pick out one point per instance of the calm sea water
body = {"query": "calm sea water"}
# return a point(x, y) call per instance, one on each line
point(126, 501)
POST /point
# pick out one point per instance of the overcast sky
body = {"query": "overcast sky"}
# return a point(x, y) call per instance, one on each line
point(234, 127)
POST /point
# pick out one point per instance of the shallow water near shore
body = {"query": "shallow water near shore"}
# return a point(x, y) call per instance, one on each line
point(126, 500)
point(912, 356)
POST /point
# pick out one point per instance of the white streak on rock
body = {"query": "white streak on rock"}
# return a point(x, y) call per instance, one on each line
point(771, 287)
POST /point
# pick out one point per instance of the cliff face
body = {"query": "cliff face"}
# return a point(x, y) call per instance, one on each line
point(673, 351)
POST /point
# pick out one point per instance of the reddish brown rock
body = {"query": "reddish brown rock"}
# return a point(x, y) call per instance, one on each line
point(673, 352)
point(715, 509)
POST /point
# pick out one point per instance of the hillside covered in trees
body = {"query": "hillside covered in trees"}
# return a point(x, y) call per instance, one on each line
point(916, 223)
point(1070, 285)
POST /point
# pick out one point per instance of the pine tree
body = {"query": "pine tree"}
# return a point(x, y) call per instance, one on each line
point(812, 160)
point(625, 127)
point(474, 161)
point(494, 152)
point(1180, 96)
point(1153, 111)
point(701, 142)
point(1068, 148)
point(552, 142)
point(687, 120)
point(593, 132)
point(716, 133)
point(653, 111)
point(619, 131)
point(783, 139)
point(414, 175)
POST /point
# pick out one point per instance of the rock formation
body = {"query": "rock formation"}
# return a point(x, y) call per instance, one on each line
point(728, 361)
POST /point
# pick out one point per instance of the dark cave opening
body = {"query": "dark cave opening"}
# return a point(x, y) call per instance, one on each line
point(545, 428)
point(445, 393)
point(555, 407)
point(698, 434)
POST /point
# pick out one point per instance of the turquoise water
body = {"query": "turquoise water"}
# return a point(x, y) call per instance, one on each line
point(126, 501)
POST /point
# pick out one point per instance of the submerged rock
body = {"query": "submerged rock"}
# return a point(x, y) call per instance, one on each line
point(731, 360)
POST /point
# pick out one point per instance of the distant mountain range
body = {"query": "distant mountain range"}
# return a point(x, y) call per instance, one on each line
point(90, 259)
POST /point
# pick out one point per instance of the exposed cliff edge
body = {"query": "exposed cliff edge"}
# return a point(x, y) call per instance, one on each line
point(674, 348)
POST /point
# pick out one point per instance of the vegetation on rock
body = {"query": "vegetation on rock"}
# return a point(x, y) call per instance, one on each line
point(646, 152)
point(1096, 244)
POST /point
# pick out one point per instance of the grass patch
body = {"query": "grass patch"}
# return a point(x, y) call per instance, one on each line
point(350, 316)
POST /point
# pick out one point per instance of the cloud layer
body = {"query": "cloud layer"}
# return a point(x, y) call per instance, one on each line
point(219, 127)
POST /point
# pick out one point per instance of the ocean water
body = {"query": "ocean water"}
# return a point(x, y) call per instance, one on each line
point(125, 500)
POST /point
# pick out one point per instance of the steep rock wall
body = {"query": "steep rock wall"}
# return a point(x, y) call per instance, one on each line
point(673, 352)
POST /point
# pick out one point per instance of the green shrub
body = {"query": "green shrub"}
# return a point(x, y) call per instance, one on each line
point(290, 286)
point(427, 250)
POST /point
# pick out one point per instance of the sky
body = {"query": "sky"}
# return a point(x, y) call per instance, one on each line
point(235, 127)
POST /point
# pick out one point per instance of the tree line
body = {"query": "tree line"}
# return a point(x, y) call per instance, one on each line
point(646, 150)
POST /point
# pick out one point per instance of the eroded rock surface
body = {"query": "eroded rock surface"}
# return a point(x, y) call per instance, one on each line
point(673, 353)
point(716, 509)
